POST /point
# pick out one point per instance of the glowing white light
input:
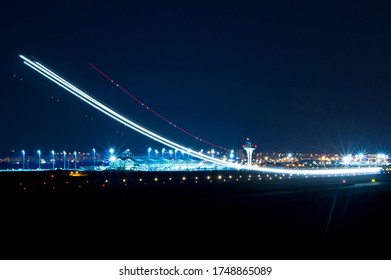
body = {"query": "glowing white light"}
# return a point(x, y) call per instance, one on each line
point(127, 122)
point(112, 158)
point(346, 160)
point(381, 156)
point(360, 155)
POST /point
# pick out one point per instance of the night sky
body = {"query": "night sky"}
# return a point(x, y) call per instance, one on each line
point(294, 76)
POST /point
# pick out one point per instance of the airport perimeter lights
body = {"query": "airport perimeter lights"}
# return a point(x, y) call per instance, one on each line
point(75, 158)
point(23, 154)
point(53, 159)
point(94, 156)
point(64, 153)
point(39, 159)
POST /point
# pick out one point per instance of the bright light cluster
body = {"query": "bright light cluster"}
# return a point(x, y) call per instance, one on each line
point(129, 123)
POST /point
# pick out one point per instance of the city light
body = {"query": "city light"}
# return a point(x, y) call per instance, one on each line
point(347, 159)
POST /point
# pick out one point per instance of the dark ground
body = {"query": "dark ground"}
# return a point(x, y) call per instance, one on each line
point(313, 219)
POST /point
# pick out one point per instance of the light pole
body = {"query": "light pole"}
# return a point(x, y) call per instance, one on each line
point(53, 159)
point(290, 158)
point(231, 155)
point(163, 152)
point(94, 156)
point(170, 152)
point(39, 159)
point(23, 154)
point(75, 158)
point(149, 152)
point(64, 153)
point(156, 152)
point(175, 154)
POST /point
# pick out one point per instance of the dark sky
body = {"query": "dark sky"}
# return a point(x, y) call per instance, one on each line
point(294, 76)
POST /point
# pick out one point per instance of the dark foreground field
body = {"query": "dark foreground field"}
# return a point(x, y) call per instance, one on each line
point(111, 215)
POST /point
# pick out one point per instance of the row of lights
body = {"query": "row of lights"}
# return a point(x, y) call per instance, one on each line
point(171, 152)
point(156, 179)
point(52, 153)
point(360, 157)
point(212, 152)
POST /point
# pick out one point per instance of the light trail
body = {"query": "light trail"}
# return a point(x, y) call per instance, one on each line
point(154, 112)
point(52, 76)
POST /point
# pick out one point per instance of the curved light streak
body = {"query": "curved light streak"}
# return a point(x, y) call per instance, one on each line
point(46, 72)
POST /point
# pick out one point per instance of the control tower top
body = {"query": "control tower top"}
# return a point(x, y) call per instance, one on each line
point(248, 144)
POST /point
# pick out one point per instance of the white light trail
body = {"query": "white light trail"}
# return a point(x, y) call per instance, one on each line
point(41, 69)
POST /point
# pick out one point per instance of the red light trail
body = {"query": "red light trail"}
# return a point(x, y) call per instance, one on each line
point(153, 111)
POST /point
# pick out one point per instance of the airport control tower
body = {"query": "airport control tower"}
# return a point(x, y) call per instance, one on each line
point(249, 147)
